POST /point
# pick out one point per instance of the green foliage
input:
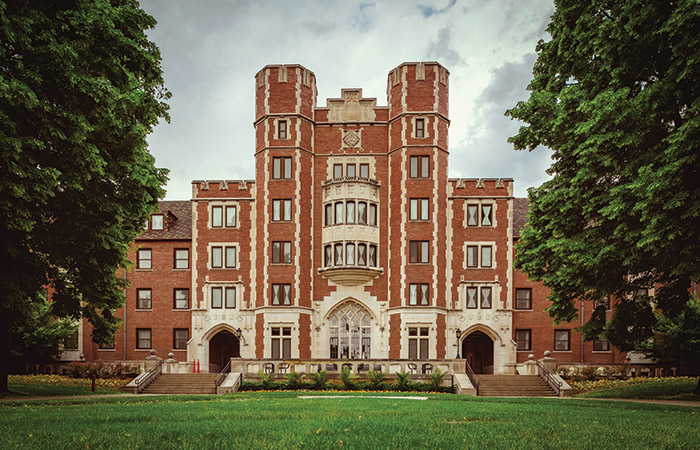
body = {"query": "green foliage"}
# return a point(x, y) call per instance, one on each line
point(615, 97)
point(436, 377)
point(103, 370)
point(81, 87)
point(403, 380)
point(266, 380)
point(680, 388)
point(319, 379)
point(348, 379)
point(376, 379)
point(294, 379)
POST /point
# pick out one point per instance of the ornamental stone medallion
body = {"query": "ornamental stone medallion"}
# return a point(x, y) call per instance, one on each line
point(351, 139)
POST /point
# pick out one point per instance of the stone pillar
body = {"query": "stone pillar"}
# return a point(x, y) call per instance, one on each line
point(151, 360)
point(548, 362)
point(170, 365)
point(530, 366)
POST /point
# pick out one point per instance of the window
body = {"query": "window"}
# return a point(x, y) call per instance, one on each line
point(182, 258)
point(337, 171)
point(281, 129)
point(364, 170)
point(217, 257)
point(523, 299)
point(338, 213)
point(281, 342)
point(157, 222)
point(485, 215)
point(107, 345)
point(419, 209)
point(143, 259)
point(350, 212)
point(180, 338)
point(418, 339)
point(472, 293)
point(562, 340)
point(230, 257)
point(281, 294)
point(601, 345)
point(605, 301)
point(282, 167)
point(373, 214)
point(420, 166)
point(372, 256)
point(361, 254)
point(479, 256)
point(216, 300)
point(419, 252)
point(329, 215)
point(486, 298)
point(143, 299)
point(281, 252)
point(350, 170)
point(143, 338)
point(418, 294)
point(328, 256)
point(230, 297)
point(281, 210)
point(472, 256)
point(338, 254)
point(231, 216)
point(362, 213)
point(217, 216)
point(472, 215)
point(350, 254)
point(486, 256)
point(181, 298)
point(420, 128)
point(72, 342)
point(522, 339)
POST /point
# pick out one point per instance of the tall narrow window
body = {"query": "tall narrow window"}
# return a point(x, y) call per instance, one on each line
point(362, 213)
point(230, 297)
point(217, 257)
point(181, 298)
point(339, 213)
point(522, 339)
point(217, 216)
point(350, 254)
point(143, 260)
point(523, 298)
point(281, 252)
point(485, 298)
point(230, 257)
point(281, 342)
point(143, 338)
point(420, 167)
point(418, 346)
point(372, 257)
point(329, 214)
point(472, 256)
point(216, 297)
point(562, 340)
point(231, 216)
point(350, 170)
point(486, 215)
point(328, 256)
point(472, 293)
point(143, 299)
point(350, 212)
point(337, 171)
point(364, 171)
point(420, 128)
point(338, 254)
point(373, 214)
point(281, 129)
point(182, 258)
point(361, 254)
point(282, 168)
point(472, 215)
point(157, 222)
point(486, 256)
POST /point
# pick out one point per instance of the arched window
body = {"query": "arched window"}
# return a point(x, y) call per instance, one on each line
point(350, 330)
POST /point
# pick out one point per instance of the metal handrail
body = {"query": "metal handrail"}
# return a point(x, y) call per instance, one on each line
point(222, 376)
point(550, 379)
point(472, 377)
point(146, 378)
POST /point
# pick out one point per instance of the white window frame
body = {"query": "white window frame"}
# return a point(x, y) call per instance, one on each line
point(224, 246)
point(479, 253)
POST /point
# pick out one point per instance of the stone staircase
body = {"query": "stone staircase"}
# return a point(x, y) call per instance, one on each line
point(514, 386)
point(183, 383)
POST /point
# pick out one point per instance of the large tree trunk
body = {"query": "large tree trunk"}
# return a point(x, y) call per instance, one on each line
point(5, 345)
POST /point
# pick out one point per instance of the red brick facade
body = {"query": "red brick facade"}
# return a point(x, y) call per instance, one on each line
point(351, 242)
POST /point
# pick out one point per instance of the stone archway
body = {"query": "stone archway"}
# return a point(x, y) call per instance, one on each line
point(350, 331)
point(477, 349)
point(223, 346)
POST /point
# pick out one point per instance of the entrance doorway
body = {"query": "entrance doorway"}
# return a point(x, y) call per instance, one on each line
point(350, 331)
point(477, 349)
point(222, 347)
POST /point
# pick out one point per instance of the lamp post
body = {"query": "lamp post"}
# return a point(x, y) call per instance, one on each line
point(459, 335)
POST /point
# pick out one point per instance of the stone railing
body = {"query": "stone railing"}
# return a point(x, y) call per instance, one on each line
point(357, 366)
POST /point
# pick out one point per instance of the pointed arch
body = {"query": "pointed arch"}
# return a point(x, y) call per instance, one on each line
point(488, 331)
point(349, 301)
point(213, 331)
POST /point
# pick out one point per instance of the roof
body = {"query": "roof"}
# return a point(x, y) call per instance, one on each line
point(520, 208)
point(178, 222)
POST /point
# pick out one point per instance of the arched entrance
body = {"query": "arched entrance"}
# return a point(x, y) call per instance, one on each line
point(350, 332)
point(223, 346)
point(477, 349)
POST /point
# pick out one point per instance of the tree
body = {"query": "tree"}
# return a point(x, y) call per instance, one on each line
point(80, 88)
point(615, 97)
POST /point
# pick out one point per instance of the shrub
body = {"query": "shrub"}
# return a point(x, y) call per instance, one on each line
point(589, 373)
point(294, 379)
point(348, 379)
point(376, 379)
point(265, 380)
point(436, 378)
point(100, 369)
point(402, 381)
point(319, 379)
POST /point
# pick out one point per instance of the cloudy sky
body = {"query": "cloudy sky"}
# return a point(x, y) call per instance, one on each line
point(212, 49)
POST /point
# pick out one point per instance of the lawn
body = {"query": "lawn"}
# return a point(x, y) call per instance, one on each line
point(679, 388)
point(56, 385)
point(282, 420)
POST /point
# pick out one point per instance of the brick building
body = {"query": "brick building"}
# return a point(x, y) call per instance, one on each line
point(351, 243)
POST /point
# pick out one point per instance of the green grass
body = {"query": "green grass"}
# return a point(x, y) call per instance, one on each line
point(642, 388)
point(57, 385)
point(281, 420)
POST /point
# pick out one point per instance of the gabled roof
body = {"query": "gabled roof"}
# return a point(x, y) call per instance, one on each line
point(178, 222)
point(520, 208)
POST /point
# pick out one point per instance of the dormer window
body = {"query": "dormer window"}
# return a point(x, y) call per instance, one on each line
point(157, 222)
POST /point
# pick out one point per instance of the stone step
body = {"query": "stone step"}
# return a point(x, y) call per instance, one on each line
point(513, 386)
point(183, 383)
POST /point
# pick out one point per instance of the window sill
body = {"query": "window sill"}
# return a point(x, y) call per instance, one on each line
point(180, 269)
point(523, 310)
point(143, 349)
point(143, 309)
point(106, 349)
point(181, 309)
point(143, 270)
point(602, 351)
point(282, 221)
point(562, 351)
point(280, 264)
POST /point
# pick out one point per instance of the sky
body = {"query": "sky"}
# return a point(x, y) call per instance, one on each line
point(212, 49)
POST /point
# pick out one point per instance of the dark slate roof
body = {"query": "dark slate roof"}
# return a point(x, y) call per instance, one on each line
point(520, 209)
point(178, 222)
